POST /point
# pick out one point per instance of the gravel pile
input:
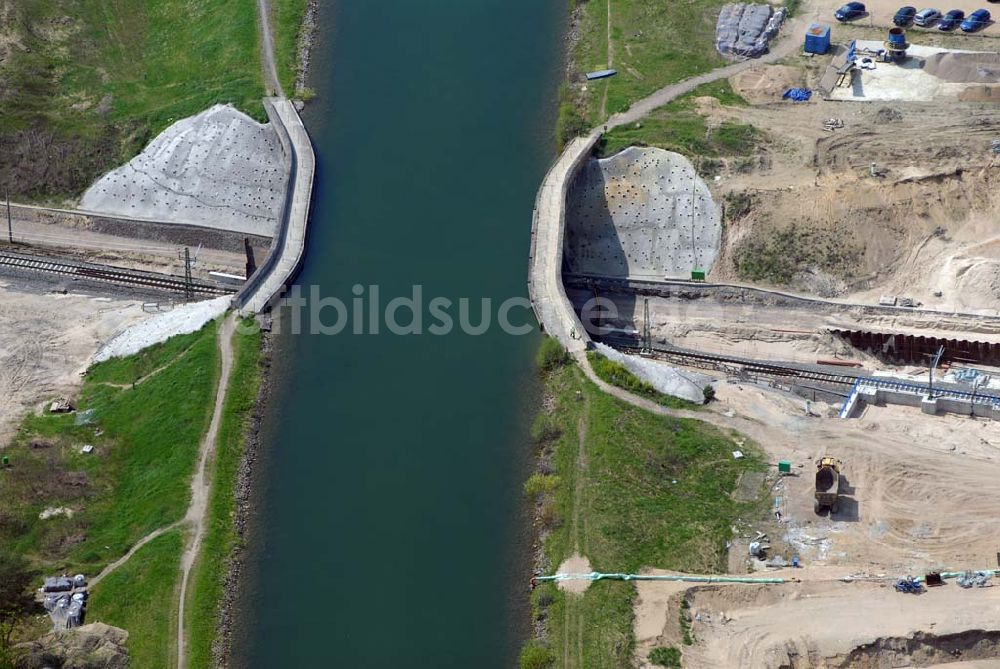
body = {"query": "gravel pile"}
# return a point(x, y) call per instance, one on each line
point(159, 328)
point(961, 68)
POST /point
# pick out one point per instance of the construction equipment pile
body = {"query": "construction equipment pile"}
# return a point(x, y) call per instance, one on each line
point(977, 579)
point(744, 30)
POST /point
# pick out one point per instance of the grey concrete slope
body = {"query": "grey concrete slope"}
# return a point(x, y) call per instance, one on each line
point(289, 243)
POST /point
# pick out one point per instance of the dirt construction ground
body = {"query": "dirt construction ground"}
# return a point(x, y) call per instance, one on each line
point(921, 498)
point(807, 215)
point(49, 338)
point(811, 217)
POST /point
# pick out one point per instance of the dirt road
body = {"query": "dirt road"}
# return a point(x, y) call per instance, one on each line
point(271, 79)
point(201, 484)
point(148, 254)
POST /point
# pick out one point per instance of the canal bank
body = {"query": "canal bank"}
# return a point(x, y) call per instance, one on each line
point(389, 525)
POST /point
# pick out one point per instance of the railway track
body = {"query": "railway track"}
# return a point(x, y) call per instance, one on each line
point(790, 371)
point(107, 274)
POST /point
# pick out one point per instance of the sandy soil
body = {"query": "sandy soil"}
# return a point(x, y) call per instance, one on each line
point(49, 339)
point(145, 254)
point(920, 499)
point(575, 564)
point(917, 230)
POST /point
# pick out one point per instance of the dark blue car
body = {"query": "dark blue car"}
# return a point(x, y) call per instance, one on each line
point(850, 11)
point(977, 20)
point(951, 20)
point(904, 16)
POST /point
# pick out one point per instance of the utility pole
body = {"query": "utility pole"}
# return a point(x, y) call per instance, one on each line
point(930, 371)
point(188, 287)
point(647, 336)
point(10, 225)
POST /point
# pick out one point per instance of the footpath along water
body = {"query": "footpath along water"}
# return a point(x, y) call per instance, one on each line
point(389, 526)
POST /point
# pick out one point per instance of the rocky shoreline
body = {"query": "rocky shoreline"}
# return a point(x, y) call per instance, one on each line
point(307, 39)
point(243, 491)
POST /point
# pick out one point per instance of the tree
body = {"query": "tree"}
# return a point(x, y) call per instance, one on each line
point(16, 598)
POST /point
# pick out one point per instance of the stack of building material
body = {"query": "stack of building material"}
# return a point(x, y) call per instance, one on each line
point(744, 30)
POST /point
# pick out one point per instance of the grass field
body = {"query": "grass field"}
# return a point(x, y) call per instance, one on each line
point(286, 20)
point(141, 597)
point(679, 127)
point(137, 479)
point(652, 44)
point(648, 491)
point(85, 84)
point(220, 537)
point(616, 374)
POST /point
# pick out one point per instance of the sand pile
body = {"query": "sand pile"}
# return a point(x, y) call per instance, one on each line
point(158, 328)
point(960, 68)
point(980, 94)
point(761, 85)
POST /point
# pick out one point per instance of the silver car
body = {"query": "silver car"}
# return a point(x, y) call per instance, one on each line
point(926, 17)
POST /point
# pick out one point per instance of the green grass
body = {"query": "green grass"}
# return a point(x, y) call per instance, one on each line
point(286, 22)
point(655, 493)
point(788, 250)
point(220, 539)
point(138, 478)
point(97, 79)
point(616, 374)
point(678, 127)
point(141, 597)
point(654, 44)
point(666, 656)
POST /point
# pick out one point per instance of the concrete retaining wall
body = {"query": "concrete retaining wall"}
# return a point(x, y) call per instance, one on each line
point(134, 228)
point(288, 247)
point(552, 307)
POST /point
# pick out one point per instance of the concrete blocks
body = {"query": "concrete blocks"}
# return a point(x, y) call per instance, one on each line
point(642, 213)
point(219, 169)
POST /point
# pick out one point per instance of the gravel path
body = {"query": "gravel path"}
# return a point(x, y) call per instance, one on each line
point(267, 47)
point(201, 485)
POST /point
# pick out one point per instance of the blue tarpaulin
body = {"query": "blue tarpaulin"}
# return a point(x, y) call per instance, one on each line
point(797, 94)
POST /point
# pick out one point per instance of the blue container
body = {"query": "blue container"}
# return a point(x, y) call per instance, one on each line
point(817, 39)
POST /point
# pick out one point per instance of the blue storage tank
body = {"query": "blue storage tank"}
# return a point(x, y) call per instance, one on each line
point(818, 38)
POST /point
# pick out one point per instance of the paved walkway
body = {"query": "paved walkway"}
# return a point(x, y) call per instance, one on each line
point(289, 244)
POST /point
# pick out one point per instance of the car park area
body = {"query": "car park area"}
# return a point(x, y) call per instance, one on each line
point(880, 14)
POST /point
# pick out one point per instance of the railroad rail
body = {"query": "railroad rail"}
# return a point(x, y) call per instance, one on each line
point(785, 370)
point(797, 372)
point(108, 274)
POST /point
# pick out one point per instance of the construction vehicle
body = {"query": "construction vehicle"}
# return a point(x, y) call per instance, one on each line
point(828, 484)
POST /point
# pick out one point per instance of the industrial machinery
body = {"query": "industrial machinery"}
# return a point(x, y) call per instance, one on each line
point(828, 484)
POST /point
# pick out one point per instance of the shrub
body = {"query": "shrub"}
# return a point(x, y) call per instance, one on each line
point(665, 656)
point(540, 484)
point(551, 355)
point(544, 430)
point(570, 123)
point(536, 655)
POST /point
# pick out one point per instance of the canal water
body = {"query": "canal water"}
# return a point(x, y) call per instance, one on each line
point(390, 529)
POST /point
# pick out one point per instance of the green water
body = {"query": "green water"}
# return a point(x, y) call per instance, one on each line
point(390, 528)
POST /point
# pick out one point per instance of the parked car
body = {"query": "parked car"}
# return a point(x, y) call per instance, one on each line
point(926, 17)
point(976, 21)
point(951, 20)
point(850, 11)
point(904, 16)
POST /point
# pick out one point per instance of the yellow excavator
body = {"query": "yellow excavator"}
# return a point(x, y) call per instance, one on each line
point(828, 484)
